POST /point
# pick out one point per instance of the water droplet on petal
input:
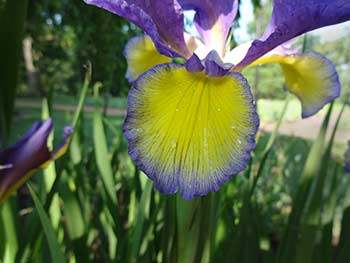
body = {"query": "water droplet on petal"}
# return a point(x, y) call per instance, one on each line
point(218, 109)
point(239, 141)
point(173, 143)
point(176, 109)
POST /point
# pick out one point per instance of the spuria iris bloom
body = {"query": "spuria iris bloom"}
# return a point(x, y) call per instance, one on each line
point(24, 158)
point(191, 127)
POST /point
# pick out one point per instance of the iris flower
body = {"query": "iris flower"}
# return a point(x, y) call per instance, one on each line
point(21, 160)
point(191, 126)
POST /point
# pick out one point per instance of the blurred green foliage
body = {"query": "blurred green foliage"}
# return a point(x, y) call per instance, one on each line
point(65, 35)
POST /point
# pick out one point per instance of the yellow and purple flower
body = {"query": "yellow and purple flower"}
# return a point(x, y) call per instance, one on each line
point(191, 126)
point(21, 160)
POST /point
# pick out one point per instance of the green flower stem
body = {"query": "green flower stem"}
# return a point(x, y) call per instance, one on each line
point(195, 224)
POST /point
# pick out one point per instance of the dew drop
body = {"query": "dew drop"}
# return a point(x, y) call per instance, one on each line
point(233, 126)
point(218, 109)
point(177, 109)
point(239, 141)
point(173, 143)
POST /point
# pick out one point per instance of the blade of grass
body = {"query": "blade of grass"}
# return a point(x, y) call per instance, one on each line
point(188, 228)
point(269, 145)
point(247, 229)
point(312, 223)
point(55, 249)
point(72, 211)
point(316, 196)
point(209, 216)
point(287, 250)
point(169, 229)
point(101, 150)
point(10, 235)
point(140, 218)
point(50, 171)
point(246, 241)
point(83, 94)
point(342, 253)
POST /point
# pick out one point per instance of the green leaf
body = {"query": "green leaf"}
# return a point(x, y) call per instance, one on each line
point(209, 216)
point(311, 225)
point(140, 218)
point(246, 240)
point(83, 94)
point(290, 240)
point(101, 151)
point(12, 19)
point(342, 253)
point(55, 249)
point(72, 211)
point(7, 217)
point(169, 229)
point(50, 171)
point(268, 147)
point(188, 214)
point(323, 252)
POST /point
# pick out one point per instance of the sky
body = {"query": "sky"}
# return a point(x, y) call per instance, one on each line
point(326, 34)
point(247, 15)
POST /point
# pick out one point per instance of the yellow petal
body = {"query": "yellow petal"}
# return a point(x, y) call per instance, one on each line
point(142, 55)
point(310, 76)
point(188, 131)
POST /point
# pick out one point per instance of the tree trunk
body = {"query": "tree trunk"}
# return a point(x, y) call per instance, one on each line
point(33, 77)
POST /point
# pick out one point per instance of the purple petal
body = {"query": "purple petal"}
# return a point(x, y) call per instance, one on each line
point(194, 64)
point(213, 20)
point(291, 18)
point(161, 20)
point(347, 159)
point(24, 156)
point(67, 132)
point(32, 141)
point(21, 160)
point(214, 67)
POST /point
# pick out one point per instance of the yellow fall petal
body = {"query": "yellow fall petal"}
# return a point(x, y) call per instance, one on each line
point(310, 76)
point(189, 131)
point(141, 55)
